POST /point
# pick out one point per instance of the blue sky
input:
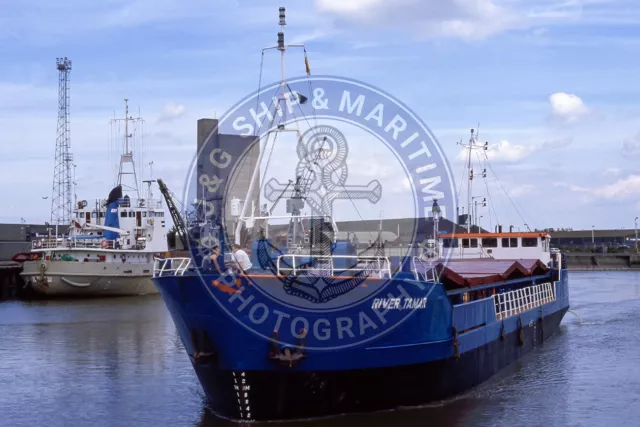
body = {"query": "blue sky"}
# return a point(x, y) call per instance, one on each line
point(553, 84)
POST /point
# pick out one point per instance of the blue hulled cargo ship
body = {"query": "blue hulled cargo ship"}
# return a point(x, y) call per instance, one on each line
point(322, 324)
point(477, 317)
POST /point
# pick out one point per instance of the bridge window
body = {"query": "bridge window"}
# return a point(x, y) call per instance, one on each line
point(469, 243)
point(529, 242)
point(509, 242)
point(450, 243)
point(489, 242)
point(123, 214)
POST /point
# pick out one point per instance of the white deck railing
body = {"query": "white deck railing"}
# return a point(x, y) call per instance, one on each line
point(514, 302)
point(376, 266)
point(422, 271)
point(170, 266)
point(136, 203)
point(73, 244)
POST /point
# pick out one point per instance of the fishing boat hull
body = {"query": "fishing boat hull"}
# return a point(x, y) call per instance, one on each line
point(77, 279)
point(242, 383)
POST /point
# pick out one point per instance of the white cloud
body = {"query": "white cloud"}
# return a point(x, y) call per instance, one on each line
point(611, 172)
point(621, 189)
point(521, 190)
point(567, 107)
point(631, 146)
point(466, 19)
point(448, 18)
point(505, 152)
point(172, 111)
point(557, 143)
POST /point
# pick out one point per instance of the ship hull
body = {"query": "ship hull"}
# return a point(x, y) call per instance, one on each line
point(73, 279)
point(286, 395)
point(460, 346)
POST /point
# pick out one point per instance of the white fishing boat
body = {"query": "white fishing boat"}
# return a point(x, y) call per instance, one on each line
point(109, 246)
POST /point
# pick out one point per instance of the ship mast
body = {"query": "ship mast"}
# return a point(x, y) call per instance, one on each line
point(126, 158)
point(281, 111)
point(472, 145)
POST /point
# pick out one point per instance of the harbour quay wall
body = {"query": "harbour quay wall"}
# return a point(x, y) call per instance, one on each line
point(11, 284)
point(602, 262)
point(15, 239)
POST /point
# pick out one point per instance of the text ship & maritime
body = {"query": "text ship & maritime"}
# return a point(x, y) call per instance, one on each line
point(108, 248)
point(474, 305)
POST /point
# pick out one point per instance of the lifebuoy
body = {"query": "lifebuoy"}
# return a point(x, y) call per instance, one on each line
point(104, 244)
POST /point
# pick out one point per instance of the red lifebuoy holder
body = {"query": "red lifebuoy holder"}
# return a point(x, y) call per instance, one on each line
point(104, 244)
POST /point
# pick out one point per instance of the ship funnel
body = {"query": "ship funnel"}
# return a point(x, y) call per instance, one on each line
point(111, 218)
point(499, 229)
point(115, 194)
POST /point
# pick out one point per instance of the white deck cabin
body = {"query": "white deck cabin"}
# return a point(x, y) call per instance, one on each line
point(508, 246)
point(142, 231)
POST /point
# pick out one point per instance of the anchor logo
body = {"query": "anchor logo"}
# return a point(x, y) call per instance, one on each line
point(322, 165)
point(322, 173)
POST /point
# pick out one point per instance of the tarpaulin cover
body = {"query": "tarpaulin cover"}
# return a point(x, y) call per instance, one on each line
point(468, 273)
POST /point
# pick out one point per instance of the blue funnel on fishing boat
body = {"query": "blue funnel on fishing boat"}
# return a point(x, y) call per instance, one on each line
point(111, 217)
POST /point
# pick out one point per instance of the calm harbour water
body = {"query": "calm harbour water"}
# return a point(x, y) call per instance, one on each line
point(120, 362)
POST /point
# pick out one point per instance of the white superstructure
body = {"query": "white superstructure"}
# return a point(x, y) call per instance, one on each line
point(108, 247)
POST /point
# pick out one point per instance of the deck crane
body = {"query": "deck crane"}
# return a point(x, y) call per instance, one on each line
point(181, 228)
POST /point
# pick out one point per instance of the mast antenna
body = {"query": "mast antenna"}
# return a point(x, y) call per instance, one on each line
point(61, 207)
point(470, 146)
point(127, 175)
point(281, 110)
